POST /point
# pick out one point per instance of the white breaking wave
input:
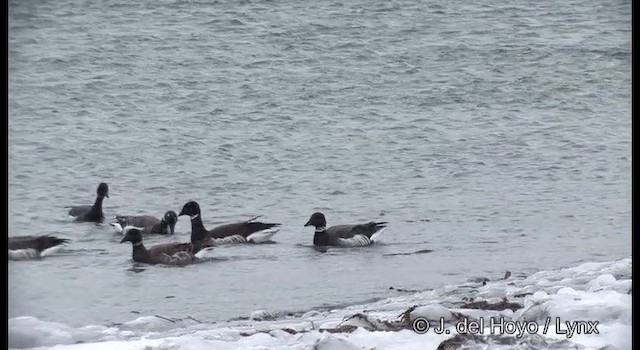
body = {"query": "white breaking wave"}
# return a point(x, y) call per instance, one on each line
point(583, 307)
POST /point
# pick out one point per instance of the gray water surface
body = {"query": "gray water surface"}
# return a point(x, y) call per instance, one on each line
point(497, 134)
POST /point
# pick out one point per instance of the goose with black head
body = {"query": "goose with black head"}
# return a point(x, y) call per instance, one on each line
point(249, 231)
point(351, 235)
point(91, 213)
point(165, 254)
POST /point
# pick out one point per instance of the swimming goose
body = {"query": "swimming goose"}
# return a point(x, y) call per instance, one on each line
point(32, 247)
point(150, 224)
point(240, 232)
point(343, 235)
point(166, 254)
point(91, 213)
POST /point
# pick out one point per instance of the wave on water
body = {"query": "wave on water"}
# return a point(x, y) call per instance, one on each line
point(582, 307)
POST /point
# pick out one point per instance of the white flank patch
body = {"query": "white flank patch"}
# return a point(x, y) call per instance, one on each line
point(355, 241)
point(182, 256)
point(177, 258)
point(235, 239)
point(262, 236)
point(23, 254)
point(129, 227)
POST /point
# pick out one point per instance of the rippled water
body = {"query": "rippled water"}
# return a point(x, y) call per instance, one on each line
point(497, 134)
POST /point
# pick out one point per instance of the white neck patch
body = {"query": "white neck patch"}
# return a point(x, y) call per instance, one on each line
point(321, 229)
point(193, 217)
point(137, 244)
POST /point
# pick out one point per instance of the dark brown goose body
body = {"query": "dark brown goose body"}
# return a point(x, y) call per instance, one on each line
point(233, 233)
point(166, 254)
point(91, 213)
point(150, 224)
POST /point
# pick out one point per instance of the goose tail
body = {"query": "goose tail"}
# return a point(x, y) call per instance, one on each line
point(375, 237)
point(263, 235)
point(48, 242)
point(256, 226)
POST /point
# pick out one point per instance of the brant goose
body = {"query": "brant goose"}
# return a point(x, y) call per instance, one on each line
point(149, 224)
point(343, 235)
point(167, 254)
point(91, 213)
point(32, 247)
point(240, 232)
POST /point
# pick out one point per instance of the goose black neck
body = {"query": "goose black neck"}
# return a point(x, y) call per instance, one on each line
point(140, 253)
point(321, 238)
point(98, 203)
point(198, 232)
